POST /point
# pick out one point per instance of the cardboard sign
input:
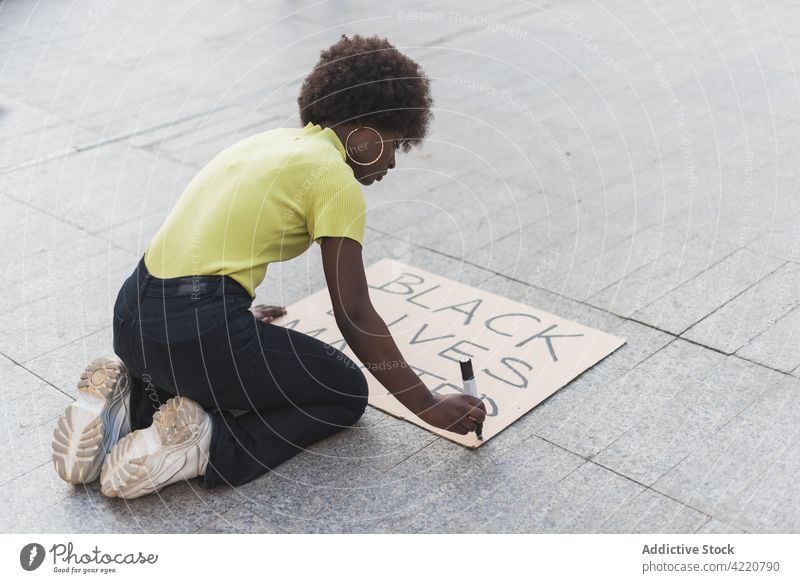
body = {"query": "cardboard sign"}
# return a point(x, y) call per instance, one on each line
point(520, 355)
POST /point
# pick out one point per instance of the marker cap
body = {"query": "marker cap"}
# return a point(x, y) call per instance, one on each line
point(466, 369)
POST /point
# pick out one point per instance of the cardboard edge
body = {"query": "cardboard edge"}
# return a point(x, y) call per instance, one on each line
point(448, 438)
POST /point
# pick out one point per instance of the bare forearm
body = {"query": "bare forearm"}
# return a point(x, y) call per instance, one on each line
point(372, 343)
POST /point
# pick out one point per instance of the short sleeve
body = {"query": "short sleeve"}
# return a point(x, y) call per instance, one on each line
point(337, 209)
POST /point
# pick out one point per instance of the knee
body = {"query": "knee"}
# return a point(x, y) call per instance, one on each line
point(362, 391)
point(359, 394)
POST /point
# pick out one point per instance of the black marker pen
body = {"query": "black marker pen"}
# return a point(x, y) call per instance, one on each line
point(468, 379)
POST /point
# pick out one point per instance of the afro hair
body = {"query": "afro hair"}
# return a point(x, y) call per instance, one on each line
point(367, 80)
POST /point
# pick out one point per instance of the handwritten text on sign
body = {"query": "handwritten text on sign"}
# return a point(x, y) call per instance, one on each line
point(520, 355)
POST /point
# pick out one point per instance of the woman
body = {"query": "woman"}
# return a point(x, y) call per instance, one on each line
point(193, 351)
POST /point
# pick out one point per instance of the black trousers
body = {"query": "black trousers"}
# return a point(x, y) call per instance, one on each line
point(195, 336)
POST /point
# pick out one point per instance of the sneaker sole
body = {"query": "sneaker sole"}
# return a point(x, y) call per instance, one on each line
point(91, 425)
point(178, 425)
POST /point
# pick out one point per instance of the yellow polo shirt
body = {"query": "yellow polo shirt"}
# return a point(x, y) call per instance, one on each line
point(263, 199)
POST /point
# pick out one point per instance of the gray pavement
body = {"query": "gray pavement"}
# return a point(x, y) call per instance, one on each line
point(629, 165)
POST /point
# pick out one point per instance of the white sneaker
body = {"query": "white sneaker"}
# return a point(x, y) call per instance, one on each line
point(174, 448)
point(94, 423)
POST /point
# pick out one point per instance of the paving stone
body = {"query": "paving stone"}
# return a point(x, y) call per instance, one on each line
point(613, 264)
point(768, 91)
point(25, 232)
point(664, 274)
point(467, 270)
point(593, 412)
point(61, 507)
point(783, 242)
point(204, 143)
point(28, 495)
point(104, 98)
point(568, 497)
point(733, 198)
point(410, 189)
point(738, 85)
point(63, 366)
point(26, 450)
point(691, 302)
point(651, 512)
point(376, 501)
point(9, 373)
point(459, 230)
point(742, 197)
point(711, 134)
point(733, 220)
point(31, 78)
point(546, 229)
point(153, 95)
point(473, 22)
point(178, 508)
point(81, 513)
point(608, 162)
point(688, 412)
point(213, 122)
point(283, 497)
point(596, 20)
point(754, 22)
point(540, 142)
point(133, 233)
point(773, 52)
point(743, 476)
point(609, 109)
point(85, 262)
point(751, 313)
point(529, 154)
point(714, 526)
point(642, 202)
point(776, 347)
point(18, 117)
point(36, 328)
point(37, 403)
point(563, 243)
point(580, 503)
point(452, 154)
point(568, 259)
point(206, 28)
point(474, 50)
point(239, 520)
point(78, 190)
point(519, 481)
point(58, 139)
point(784, 152)
point(144, 106)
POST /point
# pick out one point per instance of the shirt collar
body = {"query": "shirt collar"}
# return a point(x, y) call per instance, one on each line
point(329, 135)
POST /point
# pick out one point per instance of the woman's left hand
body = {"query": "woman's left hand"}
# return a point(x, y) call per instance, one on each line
point(267, 313)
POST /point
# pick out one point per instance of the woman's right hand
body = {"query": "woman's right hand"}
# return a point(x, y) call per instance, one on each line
point(457, 413)
point(267, 313)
